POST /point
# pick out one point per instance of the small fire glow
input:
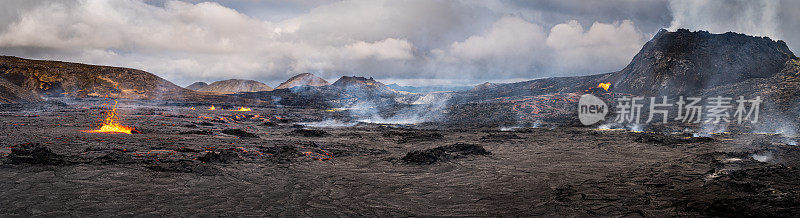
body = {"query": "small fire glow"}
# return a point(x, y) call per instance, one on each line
point(604, 86)
point(213, 108)
point(192, 108)
point(111, 123)
point(243, 109)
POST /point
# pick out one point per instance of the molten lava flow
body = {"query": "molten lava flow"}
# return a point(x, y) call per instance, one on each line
point(213, 108)
point(319, 156)
point(111, 123)
point(604, 86)
point(242, 109)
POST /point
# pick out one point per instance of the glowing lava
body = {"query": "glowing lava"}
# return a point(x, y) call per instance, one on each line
point(604, 86)
point(111, 123)
point(213, 108)
point(242, 109)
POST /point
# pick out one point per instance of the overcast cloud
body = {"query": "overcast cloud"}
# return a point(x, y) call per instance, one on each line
point(413, 42)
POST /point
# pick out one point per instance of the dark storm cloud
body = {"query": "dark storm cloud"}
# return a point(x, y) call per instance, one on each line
point(416, 41)
point(649, 16)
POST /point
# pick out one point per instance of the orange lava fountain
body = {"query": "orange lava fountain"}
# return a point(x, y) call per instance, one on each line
point(111, 123)
point(243, 109)
point(604, 86)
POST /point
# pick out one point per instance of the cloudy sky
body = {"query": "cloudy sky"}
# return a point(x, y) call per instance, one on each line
point(412, 42)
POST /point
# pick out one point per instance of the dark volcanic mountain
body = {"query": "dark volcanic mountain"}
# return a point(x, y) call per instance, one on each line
point(196, 86)
point(697, 64)
point(360, 83)
point(303, 79)
point(235, 85)
point(684, 62)
point(676, 63)
point(24, 80)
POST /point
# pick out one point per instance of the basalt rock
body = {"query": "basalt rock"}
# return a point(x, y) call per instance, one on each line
point(223, 156)
point(669, 140)
point(35, 154)
point(309, 132)
point(414, 136)
point(114, 157)
point(281, 154)
point(196, 132)
point(240, 133)
point(184, 166)
point(444, 153)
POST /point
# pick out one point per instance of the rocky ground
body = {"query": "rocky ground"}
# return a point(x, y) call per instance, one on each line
point(265, 162)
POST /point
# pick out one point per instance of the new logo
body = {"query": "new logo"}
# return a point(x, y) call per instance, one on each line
point(591, 109)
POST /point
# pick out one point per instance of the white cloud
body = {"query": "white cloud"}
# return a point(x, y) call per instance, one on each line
point(602, 48)
point(203, 27)
point(185, 42)
point(508, 37)
point(514, 45)
point(387, 49)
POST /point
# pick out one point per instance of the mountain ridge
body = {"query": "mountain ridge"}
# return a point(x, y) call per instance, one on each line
point(56, 78)
point(234, 86)
point(197, 85)
point(303, 79)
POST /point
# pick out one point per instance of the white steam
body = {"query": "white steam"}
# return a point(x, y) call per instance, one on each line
point(330, 123)
point(762, 157)
point(427, 108)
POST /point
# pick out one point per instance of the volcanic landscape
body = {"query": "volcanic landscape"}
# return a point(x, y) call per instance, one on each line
point(81, 139)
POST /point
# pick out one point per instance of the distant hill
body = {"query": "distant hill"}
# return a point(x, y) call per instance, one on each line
point(303, 79)
point(234, 86)
point(26, 80)
point(345, 92)
point(485, 85)
point(196, 86)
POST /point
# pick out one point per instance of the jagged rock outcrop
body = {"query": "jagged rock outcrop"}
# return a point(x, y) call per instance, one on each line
point(235, 85)
point(10, 93)
point(303, 79)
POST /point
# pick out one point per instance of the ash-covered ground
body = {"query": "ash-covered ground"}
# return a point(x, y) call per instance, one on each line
point(280, 161)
